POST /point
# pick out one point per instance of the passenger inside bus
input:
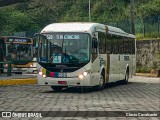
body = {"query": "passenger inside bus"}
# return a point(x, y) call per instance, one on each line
point(11, 51)
point(73, 47)
point(56, 54)
point(12, 55)
point(82, 54)
point(24, 55)
point(57, 49)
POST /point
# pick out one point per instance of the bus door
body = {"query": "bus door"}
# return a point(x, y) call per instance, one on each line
point(1, 53)
point(114, 58)
point(95, 69)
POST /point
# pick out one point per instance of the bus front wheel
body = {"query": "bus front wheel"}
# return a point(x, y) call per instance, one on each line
point(101, 83)
point(56, 88)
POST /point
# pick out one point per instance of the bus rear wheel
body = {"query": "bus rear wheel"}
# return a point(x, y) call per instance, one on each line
point(126, 77)
point(56, 88)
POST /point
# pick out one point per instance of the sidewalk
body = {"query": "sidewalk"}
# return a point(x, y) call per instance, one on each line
point(146, 74)
point(144, 79)
point(17, 79)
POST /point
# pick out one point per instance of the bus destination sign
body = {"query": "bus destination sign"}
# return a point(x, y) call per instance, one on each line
point(18, 40)
point(61, 37)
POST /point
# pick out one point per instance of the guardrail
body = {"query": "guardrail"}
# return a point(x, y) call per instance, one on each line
point(9, 67)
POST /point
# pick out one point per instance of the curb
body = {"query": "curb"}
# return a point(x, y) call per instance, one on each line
point(146, 74)
point(22, 81)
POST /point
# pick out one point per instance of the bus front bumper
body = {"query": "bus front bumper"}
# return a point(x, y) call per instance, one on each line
point(64, 81)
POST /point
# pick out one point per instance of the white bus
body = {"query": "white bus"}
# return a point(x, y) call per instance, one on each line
point(84, 54)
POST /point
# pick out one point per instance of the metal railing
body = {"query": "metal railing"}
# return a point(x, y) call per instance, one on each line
point(147, 26)
point(8, 67)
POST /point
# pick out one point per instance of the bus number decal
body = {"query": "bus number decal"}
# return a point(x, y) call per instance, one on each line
point(49, 37)
point(62, 75)
point(126, 58)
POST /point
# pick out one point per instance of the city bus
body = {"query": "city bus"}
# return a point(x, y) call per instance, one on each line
point(84, 55)
point(20, 51)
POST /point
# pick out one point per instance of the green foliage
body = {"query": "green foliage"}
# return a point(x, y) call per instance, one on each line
point(143, 70)
point(148, 36)
point(150, 8)
point(158, 55)
point(36, 14)
point(13, 20)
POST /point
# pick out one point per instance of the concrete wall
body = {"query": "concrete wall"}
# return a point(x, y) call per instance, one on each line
point(147, 53)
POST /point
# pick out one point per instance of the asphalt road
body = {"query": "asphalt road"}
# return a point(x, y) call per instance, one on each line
point(140, 94)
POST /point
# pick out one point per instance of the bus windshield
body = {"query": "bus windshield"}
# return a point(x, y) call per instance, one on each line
point(18, 51)
point(64, 48)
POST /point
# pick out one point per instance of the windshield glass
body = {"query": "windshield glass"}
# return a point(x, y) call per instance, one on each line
point(64, 48)
point(18, 51)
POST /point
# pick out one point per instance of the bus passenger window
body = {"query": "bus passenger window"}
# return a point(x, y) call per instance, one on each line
point(102, 42)
point(94, 49)
point(108, 44)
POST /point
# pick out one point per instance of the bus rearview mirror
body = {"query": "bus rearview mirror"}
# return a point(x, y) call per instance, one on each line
point(94, 43)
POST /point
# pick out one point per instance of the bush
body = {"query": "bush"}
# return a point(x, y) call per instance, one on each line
point(143, 70)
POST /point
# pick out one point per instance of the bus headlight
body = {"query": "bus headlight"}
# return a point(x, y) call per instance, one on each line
point(44, 76)
point(83, 74)
point(31, 65)
point(80, 76)
point(5, 65)
point(40, 73)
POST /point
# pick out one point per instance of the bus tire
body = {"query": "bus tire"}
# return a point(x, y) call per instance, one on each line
point(56, 88)
point(101, 83)
point(126, 76)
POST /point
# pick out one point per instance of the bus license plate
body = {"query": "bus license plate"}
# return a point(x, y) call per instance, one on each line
point(62, 82)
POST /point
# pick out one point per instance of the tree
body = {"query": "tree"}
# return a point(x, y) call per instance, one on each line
point(10, 2)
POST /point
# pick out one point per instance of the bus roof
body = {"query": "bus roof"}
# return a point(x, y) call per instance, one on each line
point(118, 31)
point(84, 27)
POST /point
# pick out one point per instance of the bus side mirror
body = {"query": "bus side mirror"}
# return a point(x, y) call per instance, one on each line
point(94, 43)
point(34, 42)
point(35, 39)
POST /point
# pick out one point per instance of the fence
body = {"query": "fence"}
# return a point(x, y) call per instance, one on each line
point(26, 33)
point(148, 27)
point(144, 27)
point(9, 67)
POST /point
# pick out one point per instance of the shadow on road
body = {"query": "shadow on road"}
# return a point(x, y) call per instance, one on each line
point(84, 89)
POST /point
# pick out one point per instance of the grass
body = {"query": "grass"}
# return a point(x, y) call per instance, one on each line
point(143, 70)
point(148, 36)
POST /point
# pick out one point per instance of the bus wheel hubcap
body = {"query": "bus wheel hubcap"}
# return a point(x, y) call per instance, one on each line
point(127, 76)
point(101, 81)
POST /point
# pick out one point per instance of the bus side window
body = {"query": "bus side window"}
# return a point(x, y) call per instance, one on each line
point(125, 45)
point(114, 44)
point(108, 44)
point(94, 48)
point(102, 42)
point(133, 46)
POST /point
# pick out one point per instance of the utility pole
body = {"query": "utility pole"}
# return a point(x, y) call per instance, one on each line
point(89, 11)
point(132, 17)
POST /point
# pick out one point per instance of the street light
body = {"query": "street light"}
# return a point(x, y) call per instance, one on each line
point(89, 11)
point(132, 17)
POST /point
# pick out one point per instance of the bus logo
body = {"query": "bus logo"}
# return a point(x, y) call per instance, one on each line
point(6, 114)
